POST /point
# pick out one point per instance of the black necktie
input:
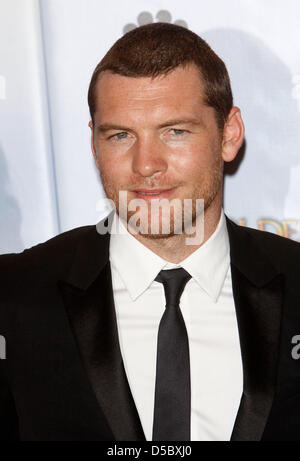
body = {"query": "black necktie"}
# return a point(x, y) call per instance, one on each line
point(172, 407)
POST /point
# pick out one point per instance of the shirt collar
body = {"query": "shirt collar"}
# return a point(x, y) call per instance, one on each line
point(210, 263)
point(138, 266)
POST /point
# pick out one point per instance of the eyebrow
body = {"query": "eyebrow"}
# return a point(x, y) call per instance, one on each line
point(190, 121)
point(104, 128)
point(107, 127)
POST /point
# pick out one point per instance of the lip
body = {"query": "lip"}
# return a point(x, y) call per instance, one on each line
point(159, 193)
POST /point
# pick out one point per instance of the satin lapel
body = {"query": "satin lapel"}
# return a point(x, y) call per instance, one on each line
point(258, 314)
point(258, 295)
point(91, 311)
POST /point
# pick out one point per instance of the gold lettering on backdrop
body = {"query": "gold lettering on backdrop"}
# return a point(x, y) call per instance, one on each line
point(263, 223)
point(285, 228)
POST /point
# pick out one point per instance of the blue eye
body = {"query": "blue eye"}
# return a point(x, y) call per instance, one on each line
point(176, 131)
point(122, 135)
point(118, 136)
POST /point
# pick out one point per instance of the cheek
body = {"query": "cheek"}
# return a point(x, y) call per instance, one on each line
point(195, 160)
point(113, 170)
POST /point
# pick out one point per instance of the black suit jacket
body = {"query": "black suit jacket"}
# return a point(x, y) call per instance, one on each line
point(63, 377)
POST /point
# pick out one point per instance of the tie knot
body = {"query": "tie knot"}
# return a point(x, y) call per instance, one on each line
point(174, 281)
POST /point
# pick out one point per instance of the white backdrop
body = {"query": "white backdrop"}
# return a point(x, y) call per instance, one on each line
point(48, 50)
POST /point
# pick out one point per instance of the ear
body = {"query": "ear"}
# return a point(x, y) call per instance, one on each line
point(93, 144)
point(233, 135)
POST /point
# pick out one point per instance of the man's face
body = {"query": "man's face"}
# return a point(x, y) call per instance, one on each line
point(157, 136)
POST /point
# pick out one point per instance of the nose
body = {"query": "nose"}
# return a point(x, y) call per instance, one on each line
point(149, 157)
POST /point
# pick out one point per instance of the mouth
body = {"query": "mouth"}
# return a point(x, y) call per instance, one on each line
point(150, 194)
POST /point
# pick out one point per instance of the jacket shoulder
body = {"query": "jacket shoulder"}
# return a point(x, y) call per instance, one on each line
point(281, 251)
point(53, 255)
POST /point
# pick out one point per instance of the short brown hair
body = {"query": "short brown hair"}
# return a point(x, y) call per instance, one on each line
point(158, 48)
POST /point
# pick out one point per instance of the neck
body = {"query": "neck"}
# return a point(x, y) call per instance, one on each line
point(174, 248)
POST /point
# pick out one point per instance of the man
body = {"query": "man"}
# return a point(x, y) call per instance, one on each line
point(138, 334)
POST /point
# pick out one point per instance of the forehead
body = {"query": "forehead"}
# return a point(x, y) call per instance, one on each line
point(181, 89)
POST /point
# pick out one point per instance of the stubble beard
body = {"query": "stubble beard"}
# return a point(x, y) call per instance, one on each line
point(207, 189)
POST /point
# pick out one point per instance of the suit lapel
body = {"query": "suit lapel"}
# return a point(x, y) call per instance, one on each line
point(258, 295)
point(258, 291)
point(88, 298)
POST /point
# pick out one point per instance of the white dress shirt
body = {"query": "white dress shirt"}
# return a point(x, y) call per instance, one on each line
point(208, 310)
